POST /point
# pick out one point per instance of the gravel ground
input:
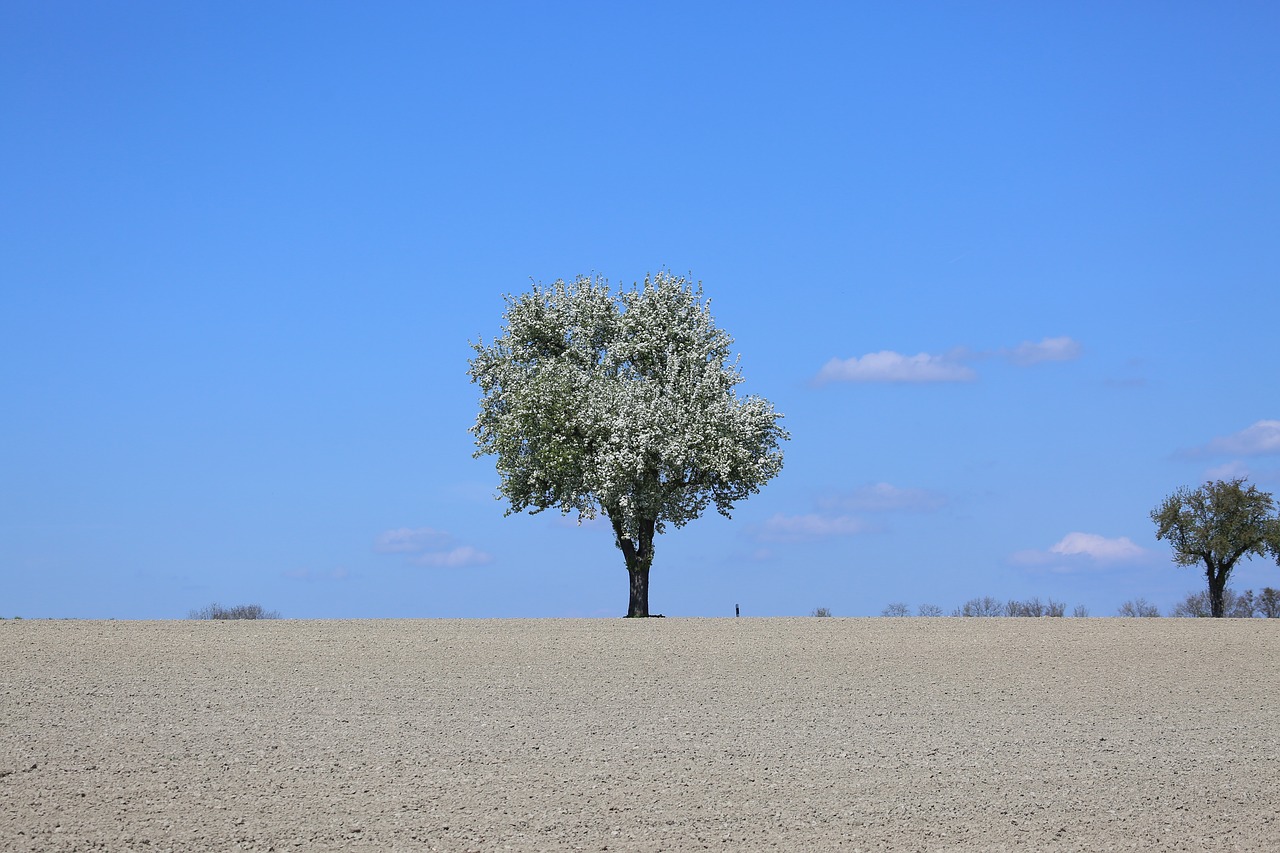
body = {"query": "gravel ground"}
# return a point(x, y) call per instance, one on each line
point(661, 734)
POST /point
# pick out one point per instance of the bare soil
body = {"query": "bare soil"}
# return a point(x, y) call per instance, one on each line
point(663, 734)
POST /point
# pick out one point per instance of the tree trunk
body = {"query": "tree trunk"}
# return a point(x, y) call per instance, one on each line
point(638, 606)
point(638, 554)
point(1217, 590)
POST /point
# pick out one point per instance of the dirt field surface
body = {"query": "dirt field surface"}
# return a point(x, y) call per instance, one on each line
point(663, 734)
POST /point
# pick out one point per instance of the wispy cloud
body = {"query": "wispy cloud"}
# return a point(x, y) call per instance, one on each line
point(1083, 550)
point(409, 540)
point(1260, 439)
point(812, 526)
point(953, 366)
point(337, 574)
point(1228, 471)
point(463, 555)
point(427, 546)
point(887, 366)
point(1048, 349)
point(885, 497)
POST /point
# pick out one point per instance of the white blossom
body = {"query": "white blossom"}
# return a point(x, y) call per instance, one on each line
point(623, 404)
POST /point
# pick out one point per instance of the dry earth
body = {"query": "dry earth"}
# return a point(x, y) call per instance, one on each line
point(666, 734)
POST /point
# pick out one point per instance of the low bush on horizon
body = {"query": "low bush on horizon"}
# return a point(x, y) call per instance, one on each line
point(239, 611)
point(1138, 608)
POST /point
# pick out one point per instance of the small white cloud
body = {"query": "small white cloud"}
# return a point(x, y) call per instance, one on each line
point(1081, 550)
point(1048, 349)
point(409, 540)
point(812, 526)
point(1260, 439)
point(884, 497)
point(887, 366)
point(1097, 547)
point(463, 555)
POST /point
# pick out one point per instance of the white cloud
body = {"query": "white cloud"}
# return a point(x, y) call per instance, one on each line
point(1082, 550)
point(884, 497)
point(1048, 349)
point(887, 366)
point(1097, 547)
point(812, 526)
point(409, 540)
point(1260, 439)
point(463, 555)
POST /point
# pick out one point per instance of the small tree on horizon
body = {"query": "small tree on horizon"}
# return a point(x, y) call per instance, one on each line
point(622, 405)
point(1215, 525)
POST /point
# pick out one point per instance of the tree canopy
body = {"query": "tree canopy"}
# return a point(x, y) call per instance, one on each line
point(622, 404)
point(1217, 524)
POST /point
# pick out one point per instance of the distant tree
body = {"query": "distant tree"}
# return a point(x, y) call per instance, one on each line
point(929, 610)
point(821, 611)
point(897, 608)
point(622, 405)
point(1080, 611)
point(1055, 609)
point(1138, 607)
point(985, 606)
point(1215, 525)
point(239, 611)
point(1200, 605)
point(1268, 603)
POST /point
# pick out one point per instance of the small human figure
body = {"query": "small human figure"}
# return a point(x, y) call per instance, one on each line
point(736, 612)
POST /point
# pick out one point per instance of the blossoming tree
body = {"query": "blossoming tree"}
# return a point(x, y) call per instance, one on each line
point(621, 404)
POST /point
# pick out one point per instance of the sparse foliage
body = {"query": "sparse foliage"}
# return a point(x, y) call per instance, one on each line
point(623, 405)
point(1215, 525)
point(896, 608)
point(1080, 611)
point(821, 611)
point(1138, 607)
point(929, 610)
point(239, 611)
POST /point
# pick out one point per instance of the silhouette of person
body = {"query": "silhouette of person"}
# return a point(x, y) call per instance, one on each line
point(736, 612)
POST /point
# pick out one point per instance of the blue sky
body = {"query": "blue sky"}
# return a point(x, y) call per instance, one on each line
point(1010, 270)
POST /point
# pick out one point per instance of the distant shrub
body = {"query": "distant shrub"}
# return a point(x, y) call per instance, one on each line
point(1034, 607)
point(1030, 607)
point(985, 606)
point(929, 610)
point(1080, 611)
point(240, 611)
point(821, 611)
point(897, 608)
point(1139, 607)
